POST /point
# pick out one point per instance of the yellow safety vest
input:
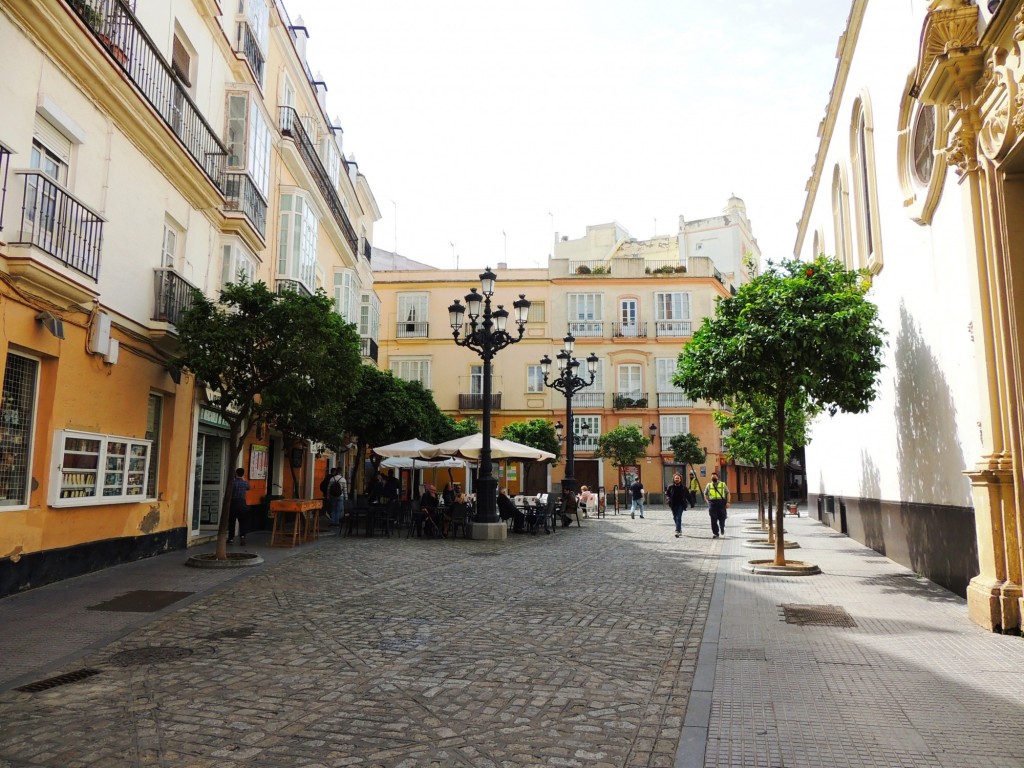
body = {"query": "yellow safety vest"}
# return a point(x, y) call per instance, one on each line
point(716, 490)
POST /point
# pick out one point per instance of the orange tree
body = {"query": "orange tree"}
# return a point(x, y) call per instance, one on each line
point(802, 332)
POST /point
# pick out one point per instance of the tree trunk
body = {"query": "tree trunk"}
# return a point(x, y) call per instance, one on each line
point(769, 497)
point(235, 440)
point(759, 479)
point(780, 477)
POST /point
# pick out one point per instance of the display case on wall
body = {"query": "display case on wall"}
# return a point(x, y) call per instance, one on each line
point(98, 469)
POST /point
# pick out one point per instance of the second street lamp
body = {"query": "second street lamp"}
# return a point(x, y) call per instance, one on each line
point(568, 382)
point(486, 335)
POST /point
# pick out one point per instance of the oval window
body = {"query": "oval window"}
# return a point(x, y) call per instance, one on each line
point(924, 145)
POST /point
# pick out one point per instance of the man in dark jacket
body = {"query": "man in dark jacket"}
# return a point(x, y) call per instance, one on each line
point(677, 495)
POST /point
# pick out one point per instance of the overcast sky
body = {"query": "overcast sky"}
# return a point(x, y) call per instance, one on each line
point(474, 118)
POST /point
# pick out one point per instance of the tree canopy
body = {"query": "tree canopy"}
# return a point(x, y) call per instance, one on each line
point(801, 332)
point(537, 433)
point(267, 357)
point(623, 446)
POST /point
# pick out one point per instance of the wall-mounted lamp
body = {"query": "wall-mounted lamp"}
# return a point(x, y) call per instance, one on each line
point(653, 429)
point(52, 323)
point(175, 373)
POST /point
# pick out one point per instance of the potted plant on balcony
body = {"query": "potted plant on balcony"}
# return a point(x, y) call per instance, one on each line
point(582, 269)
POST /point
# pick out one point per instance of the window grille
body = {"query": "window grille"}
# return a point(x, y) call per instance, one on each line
point(17, 412)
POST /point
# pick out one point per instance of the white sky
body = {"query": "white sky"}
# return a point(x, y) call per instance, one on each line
point(471, 118)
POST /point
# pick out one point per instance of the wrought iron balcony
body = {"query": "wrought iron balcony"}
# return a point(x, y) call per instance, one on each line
point(241, 194)
point(675, 399)
point(291, 127)
point(474, 401)
point(629, 330)
point(246, 44)
point(172, 295)
point(285, 285)
point(587, 399)
point(635, 399)
point(412, 330)
point(368, 349)
point(115, 26)
point(56, 222)
point(5, 166)
point(587, 329)
point(673, 328)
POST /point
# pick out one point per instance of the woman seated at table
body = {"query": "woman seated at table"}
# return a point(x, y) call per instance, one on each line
point(507, 510)
point(426, 518)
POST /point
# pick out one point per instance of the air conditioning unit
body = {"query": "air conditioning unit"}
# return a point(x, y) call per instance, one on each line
point(99, 337)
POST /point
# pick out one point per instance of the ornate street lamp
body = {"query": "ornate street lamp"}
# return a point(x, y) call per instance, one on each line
point(577, 439)
point(568, 382)
point(486, 335)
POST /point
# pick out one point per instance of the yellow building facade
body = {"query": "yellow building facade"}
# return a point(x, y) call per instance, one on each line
point(150, 149)
point(632, 303)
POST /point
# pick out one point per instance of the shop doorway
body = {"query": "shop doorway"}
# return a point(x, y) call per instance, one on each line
point(208, 491)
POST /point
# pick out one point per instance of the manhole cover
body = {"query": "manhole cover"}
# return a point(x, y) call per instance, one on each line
point(817, 615)
point(157, 655)
point(237, 633)
point(141, 601)
point(742, 654)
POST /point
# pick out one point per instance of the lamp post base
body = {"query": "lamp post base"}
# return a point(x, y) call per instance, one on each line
point(488, 531)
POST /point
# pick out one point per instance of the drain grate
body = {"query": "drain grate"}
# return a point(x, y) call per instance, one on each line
point(141, 601)
point(817, 615)
point(136, 657)
point(59, 680)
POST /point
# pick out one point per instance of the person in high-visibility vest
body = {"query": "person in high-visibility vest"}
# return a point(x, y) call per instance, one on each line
point(695, 489)
point(717, 494)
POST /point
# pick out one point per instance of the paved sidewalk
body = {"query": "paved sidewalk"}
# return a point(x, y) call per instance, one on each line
point(611, 645)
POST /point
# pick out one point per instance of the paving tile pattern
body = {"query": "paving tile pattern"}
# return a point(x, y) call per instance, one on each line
point(915, 684)
point(574, 649)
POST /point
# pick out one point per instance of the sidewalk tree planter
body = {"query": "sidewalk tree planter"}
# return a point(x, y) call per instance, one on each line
point(801, 334)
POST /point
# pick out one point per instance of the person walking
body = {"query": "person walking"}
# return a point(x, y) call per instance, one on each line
point(678, 495)
point(239, 506)
point(695, 489)
point(637, 491)
point(717, 494)
point(337, 489)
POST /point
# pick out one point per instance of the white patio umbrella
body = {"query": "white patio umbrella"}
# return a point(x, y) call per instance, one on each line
point(471, 446)
point(410, 462)
point(413, 449)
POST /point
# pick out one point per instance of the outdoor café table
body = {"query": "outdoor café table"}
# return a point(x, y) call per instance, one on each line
point(295, 521)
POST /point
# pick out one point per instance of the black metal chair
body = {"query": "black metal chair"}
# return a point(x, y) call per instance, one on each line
point(358, 515)
point(461, 515)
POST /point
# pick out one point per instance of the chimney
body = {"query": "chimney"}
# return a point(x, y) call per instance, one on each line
point(321, 91)
point(300, 36)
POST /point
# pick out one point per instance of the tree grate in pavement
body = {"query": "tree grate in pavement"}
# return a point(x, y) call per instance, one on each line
point(141, 601)
point(59, 680)
point(817, 615)
point(155, 655)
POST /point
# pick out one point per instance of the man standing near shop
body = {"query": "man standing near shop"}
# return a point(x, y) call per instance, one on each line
point(717, 494)
point(337, 490)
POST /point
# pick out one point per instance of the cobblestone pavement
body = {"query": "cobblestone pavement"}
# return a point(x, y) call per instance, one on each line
point(614, 644)
point(572, 649)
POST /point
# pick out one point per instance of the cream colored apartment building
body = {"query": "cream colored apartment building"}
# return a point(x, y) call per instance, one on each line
point(149, 147)
point(633, 303)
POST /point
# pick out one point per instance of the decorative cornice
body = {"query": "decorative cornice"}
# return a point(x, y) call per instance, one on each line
point(950, 24)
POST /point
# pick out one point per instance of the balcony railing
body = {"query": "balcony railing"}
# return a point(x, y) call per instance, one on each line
point(114, 24)
point(664, 267)
point(587, 444)
point(5, 166)
point(587, 329)
point(587, 399)
point(291, 127)
point(368, 348)
point(674, 400)
point(284, 285)
point(677, 328)
point(172, 295)
point(55, 222)
point(635, 399)
point(246, 44)
point(474, 401)
point(367, 250)
point(410, 330)
point(589, 267)
point(629, 330)
point(241, 194)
